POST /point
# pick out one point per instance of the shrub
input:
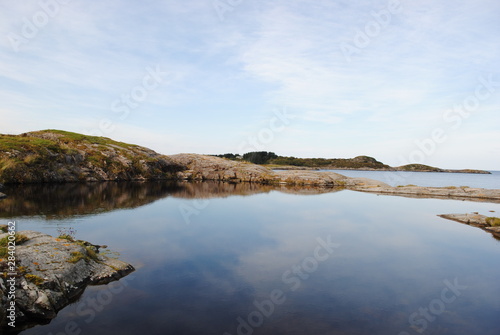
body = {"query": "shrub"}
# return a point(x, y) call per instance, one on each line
point(493, 222)
point(76, 256)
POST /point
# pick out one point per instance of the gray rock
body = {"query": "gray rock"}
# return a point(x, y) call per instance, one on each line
point(456, 193)
point(474, 219)
point(53, 272)
point(2, 195)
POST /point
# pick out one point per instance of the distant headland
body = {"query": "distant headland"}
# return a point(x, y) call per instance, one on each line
point(271, 160)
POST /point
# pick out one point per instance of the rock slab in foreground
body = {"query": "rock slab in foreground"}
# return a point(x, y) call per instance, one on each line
point(52, 273)
point(476, 220)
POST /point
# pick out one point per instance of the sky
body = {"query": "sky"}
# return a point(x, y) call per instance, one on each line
point(402, 81)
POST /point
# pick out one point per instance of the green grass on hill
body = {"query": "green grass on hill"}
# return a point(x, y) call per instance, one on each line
point(69, 137)
point(60, 156)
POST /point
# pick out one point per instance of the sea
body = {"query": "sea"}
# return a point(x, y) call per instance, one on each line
point(224, 259)
point(435, 179)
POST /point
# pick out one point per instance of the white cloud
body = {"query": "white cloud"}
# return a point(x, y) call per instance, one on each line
point(228, 75)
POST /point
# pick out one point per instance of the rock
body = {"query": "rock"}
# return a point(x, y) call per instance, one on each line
point(456, 193)
point(474, 219)
point(2, 195)
point(53, 272)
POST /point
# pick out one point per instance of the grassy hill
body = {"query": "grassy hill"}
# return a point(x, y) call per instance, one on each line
point(360, 162)
point(60, 156)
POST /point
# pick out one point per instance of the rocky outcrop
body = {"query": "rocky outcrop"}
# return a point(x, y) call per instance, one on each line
point(457, 193)
point(476, 220)
point(51, 273)
point(58, 156)
point(200, 167)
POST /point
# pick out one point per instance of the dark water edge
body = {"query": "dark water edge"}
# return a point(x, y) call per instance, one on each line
point(207, 254)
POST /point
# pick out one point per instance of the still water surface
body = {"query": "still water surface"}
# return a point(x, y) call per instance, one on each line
point(435, 179)
point(244, 259)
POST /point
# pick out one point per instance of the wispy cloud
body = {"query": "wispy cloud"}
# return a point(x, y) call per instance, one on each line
point(227, 75)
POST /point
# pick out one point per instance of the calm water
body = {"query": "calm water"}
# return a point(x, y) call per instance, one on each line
point(243, 259)
point(437, 179)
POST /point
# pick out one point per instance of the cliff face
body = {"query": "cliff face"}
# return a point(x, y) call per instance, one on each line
point(59, 156)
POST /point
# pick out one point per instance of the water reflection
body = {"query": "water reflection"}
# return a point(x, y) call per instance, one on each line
point(60, 201)
point(201, 278)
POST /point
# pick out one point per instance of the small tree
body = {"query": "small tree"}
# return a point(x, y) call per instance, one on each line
point(259, 157)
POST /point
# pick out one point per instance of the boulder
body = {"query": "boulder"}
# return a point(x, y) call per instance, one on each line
point(51, 273)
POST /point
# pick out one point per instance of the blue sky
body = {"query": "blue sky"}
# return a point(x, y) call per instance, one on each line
point(402, 81)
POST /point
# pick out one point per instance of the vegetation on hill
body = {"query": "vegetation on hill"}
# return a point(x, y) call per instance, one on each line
point(59, 156)
point(264, 157)
point(419, 167)
point(359, 162)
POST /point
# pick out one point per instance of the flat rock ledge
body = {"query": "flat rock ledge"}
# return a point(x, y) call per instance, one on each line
point(474, 219)
point(51, 274)
point(455, 193)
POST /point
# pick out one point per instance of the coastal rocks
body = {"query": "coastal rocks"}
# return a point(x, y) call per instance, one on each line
point(200, 167)
point(329, 179)
point(52, 273)
point(476, 220)
point(53, 156)
point(452, 192)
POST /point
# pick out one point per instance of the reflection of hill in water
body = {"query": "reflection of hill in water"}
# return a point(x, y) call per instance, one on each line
point(58, 201)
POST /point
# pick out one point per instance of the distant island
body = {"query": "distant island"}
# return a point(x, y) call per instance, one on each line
point(271, 160)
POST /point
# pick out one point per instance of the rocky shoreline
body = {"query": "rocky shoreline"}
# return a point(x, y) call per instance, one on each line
point(475, 220)
point(50, 274)
point(199, 167)
point(196, 167)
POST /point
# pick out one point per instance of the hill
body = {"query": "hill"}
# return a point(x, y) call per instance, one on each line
point(60, 156)
point(274, 161)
